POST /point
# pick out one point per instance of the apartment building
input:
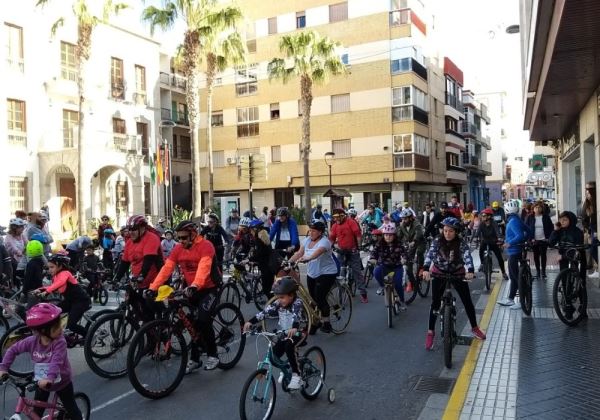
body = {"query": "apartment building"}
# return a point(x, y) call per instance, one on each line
point(40, 95)
point(384, 121)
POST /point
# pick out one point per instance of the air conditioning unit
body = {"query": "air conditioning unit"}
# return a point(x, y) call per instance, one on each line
point(231, 161)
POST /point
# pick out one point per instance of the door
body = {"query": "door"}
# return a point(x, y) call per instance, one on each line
point(122, 199)
point(68, 213)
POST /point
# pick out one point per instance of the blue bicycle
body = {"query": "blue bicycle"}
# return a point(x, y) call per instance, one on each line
point(259, 394)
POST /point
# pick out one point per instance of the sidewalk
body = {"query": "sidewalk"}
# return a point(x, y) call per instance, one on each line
point(532, 367)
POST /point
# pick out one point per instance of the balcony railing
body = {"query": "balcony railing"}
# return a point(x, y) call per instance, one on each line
point(411, 161)
point(454, 102)
point(140, 98)
point(117, 89)
point(15, 63)
point(469, 129)
point(487, 142)
point(181, 118)
point(125, 143)
point(17, 138)
point(174, 80)
point(470, 160)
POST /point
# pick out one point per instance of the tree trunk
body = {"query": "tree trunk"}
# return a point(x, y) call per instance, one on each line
point(210, 77)
point(306, 103)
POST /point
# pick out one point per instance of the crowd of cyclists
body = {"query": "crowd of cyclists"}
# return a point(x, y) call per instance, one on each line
point(425, 243)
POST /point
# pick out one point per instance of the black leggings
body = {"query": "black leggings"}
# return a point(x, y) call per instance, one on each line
point(540, 248)
point(75, 310)
point(437, 291)
point(67, 398)
point(205, 302)
point(318, 288)
point(266, 279)
point(288, 346)
point(497, 252)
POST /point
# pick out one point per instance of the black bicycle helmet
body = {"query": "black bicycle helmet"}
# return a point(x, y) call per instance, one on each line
point(318, 225)
point(214, 217)
point(285, 286)
point(283, 211)
point(186, 225)
point(59, 259)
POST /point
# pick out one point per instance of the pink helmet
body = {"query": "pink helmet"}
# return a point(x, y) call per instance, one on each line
point(42, 315)
point(388, 229)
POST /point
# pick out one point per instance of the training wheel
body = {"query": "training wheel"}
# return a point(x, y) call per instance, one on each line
point(331, 395)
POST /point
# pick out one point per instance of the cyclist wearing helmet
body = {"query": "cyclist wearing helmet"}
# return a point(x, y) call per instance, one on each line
point(242, 242)
point(104, 224)
point(142, 252)
point(289, 309)
point(15, 245)
point(352, 213)
point(195, 256)
point(34, 270)
point(75, 250)
point(487, 233)
point(37, 225)
point(75, 300)
point(450, 255)
point(160, 226)
point(261, 253)
point(389, 255)
point(499, 217)
point(346, 234)
point(412, 235)
point(214, 232)
point(285, 232)
point(321, 271)
point(47, 348)
point(517, 233)
point(168, 243)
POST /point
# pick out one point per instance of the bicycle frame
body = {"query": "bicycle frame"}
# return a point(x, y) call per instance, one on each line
point(270, 361)
point(27, 406)
point(448, 299)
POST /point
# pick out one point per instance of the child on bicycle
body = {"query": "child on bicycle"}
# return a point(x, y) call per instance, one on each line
point(450, 255)
point(90, 264)
point(75, 300)
point(290, 310)
point(389, 255)
point(566, 231)
point(48, 350)
point(487, 233)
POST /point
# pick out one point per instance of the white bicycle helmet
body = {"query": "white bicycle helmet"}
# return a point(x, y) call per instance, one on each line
point(512, 207)
point(245, 221)
point(17, 222)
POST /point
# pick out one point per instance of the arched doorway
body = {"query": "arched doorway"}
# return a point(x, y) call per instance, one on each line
point(111, 193)
point(62, 204)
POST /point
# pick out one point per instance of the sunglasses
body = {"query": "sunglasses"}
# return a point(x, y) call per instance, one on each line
point(183, 237)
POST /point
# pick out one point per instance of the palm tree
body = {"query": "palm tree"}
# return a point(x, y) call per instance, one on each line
point(222, 47)
point(313, 59)
point(86, 22)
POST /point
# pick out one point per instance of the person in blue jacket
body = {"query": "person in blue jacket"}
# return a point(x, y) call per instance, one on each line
point(516, 233)
point(285, 233)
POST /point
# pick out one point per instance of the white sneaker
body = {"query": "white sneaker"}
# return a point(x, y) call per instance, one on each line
point(192, 366)
point(515, 306)
point(280, 379)
point(379, 291)
point(211, 363)
point(594, 275)
point(507, 302)
point(295, 382)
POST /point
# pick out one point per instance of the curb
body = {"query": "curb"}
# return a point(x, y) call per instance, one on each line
point(459, 392)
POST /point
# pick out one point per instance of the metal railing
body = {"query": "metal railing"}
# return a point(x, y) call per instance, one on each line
point(181, 118)
point(174, 80)
point(15, 64)
point(467, 128)
point(454, 102)
point(18, 138)
point(140, 98)
point(470, 160)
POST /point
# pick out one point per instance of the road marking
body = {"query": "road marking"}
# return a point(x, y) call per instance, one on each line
point(459, 393)
point(114, 400)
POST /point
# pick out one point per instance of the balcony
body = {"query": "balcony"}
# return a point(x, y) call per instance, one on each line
point(173, 80)
point(408, 113)
point(140, 98)
point(454, 102)
point(125, 143)
point(179, 118)
point(411, 161)
point(487, 142)
point(403, 65)
point(470, 160)
point(15, 64)
point(17, 138)
point(468, 129)
point(484, 113)
point(117, 90)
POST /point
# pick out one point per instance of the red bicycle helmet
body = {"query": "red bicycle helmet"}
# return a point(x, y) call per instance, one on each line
point(137, 221)
point(42, 315)
point(488, 211)
point(186, 225)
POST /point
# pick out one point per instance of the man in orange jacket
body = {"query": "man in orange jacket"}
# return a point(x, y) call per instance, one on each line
point(196, 259)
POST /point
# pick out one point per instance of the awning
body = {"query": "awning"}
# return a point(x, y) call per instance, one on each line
point(337, 192)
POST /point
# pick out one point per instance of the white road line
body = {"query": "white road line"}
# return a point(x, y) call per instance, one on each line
point(114, 400)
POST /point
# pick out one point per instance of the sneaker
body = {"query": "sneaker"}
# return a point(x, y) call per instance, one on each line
point(402, 306)
point(515, 306)
point(364, 299)
point(295, 382)
point(507, 302)
point(504, 276)
point(192, 366)
point(544, 276)
point(211, 363)
point(429, 340)
point(326, 328)
point(280, 379)
point(379, 291)
point(594, 275)
point(409, 287)
point(478, 334)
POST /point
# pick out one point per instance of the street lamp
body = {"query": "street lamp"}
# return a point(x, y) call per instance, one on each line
point(328, 161)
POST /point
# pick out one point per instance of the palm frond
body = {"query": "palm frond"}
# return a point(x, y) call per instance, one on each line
point(163, 18)
point(41, 3)
point(56, 25)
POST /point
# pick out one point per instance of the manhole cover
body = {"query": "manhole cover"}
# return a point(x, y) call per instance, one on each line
point(434, 384)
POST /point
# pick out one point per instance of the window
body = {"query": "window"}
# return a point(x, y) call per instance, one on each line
point(502, 133)
point(275, 111)
point(140, 85)
point(68, 62)
point(401, 65)
point(275, 153)
point(14, 44)
point(180, 113)
point(338, 12)
point(301, 19)
point(116, 78)
point(147, 198)
point(451, 124)
point(399, 17)
point(403, 143)
point(216, 119)
point(119, 126)
point(185, 148)
point(251, 46)
point(247, 122)
point(142, 131)
point(16, 115)
point(340, 103)
point(272, 26)
point(246, 80)
point(452, 160)
point(251, 37)
point(70, 122)
point(409, 103)
point(435, 107)
point(341, 148)
point(218, 159)
point(411, 151)
point(18, 194)
point(399, 4)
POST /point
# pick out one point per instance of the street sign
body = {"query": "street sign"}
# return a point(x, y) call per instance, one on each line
point(253, 168)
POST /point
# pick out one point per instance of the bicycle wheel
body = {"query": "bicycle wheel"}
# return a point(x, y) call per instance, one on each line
point(258, 397)
point(313, 369)
point(339, 299)
point(423, 287)
point(4, 325)
point(229, 293)
point(103, 296)
point(570, 301)
point(487, 269)
point(351, 282)
point(258, 295)
point(448, 338)
point(228, 323)
point(154, 369)
point(409, 297)
point(22, 366)
point(389, 305)
point(368, 274)
point(106, 345)
point(84, 405)
point(525, 295)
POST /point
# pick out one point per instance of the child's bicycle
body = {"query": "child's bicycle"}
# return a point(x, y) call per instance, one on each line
point(391, 299)
point(259, 393)
point(26, 406)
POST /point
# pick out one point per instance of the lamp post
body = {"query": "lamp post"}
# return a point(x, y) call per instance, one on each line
point(328, 161)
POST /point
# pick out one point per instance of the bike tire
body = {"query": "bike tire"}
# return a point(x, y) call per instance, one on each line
point(368, 274)
point(409, 297)
point(488, 273)
point(22, 367)
point(258, 381)
point(229, 293)
point(228, 329)
point(114, 326)
point(351, 282)
point(448, 336)
point(339, 299)
point(560, 303)
point(84, 404)
point(258, 295)
point(310, 369)
point(525, 293)
point(103, 298)
point(4, 325)
point(423, 287)
point(94, 316)
point(161, 331)
point(389, 296)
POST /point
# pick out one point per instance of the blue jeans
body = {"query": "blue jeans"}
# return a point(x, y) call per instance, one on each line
point(381, 271)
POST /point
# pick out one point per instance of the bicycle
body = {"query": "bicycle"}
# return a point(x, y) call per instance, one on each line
point(339, 299)
point(447, 313)
point(97, 291)
point(368, 274)
point(260, 393)
point(26, 406)
point(244, 282)
point(525, 280)
point(488, 265)
point(391, 299)
point(160, 344)
point(569, 294)
point(346, 275)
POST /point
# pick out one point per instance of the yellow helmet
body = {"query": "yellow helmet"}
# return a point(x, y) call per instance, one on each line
point(495, 205)
point(163, 293)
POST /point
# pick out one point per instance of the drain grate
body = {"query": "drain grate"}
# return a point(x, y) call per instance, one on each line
point(434, 384)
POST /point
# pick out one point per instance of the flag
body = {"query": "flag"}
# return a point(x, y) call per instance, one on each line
point(167, 171)
point(152, 169)
point(159, 166)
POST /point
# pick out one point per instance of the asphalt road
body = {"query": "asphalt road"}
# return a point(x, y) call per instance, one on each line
point(371, 367)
